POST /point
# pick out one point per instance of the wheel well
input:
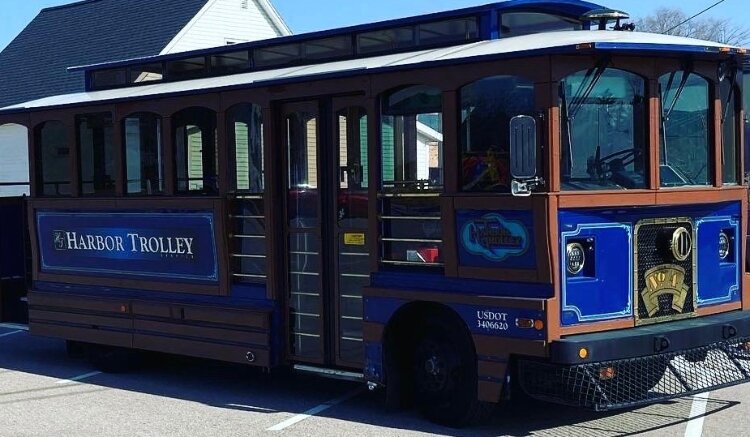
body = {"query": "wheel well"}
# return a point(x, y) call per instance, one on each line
point(402, 333)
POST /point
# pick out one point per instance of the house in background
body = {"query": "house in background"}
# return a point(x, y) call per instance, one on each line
point(35, 63)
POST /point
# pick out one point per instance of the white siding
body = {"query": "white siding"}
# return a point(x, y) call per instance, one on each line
point(224, 21)
point(14, 160)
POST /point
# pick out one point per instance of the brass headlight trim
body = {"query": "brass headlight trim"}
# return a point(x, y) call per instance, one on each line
point(681, 244)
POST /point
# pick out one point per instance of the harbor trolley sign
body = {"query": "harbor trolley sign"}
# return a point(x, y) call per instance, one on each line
point(170, 245)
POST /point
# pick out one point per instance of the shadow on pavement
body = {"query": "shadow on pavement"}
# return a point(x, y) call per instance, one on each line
point(230, 386)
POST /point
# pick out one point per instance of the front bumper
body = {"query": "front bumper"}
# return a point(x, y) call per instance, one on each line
point(643, 365)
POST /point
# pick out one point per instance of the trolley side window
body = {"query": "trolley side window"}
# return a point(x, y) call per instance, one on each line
point(196, 157)
point(412, 172)
point(412, 132)
point(144, 154)
point(685, 155)
point(245, 137)
point(52, 159)
point(96, 154)
point(487, 106)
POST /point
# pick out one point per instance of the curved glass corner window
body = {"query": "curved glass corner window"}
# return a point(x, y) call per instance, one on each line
point(487, 106)
point(524, 23)
point(196, 155)
point(245, 139)
point(604, 130)
point(412, 140)
point(144, 154)
point(52, 159)
point(96, 154)
point(729, 137)
point(685, 157)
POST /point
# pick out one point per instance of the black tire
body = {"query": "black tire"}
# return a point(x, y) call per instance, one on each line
point(111, 359)
point(445, 376)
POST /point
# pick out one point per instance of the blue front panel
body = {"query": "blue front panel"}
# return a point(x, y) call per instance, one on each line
point(495, 239)
point(168, 245)
point(603, 290)
point(718, 280)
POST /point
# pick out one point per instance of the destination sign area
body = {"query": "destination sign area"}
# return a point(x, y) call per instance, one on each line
point(169, 245)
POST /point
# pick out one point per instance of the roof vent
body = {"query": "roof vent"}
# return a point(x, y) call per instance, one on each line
point(604, 16)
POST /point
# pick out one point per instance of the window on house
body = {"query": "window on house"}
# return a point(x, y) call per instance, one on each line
point(144, 154)
point(197, 158)
point(52, 159)
point(97, 161)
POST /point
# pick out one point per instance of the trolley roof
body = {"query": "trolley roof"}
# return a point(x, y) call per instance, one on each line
point(513, 47)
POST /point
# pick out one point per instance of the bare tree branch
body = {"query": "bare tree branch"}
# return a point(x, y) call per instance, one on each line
point(720, 30)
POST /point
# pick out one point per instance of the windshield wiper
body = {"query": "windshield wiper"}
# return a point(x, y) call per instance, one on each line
point(566, 116)
point(732, 78)
point(665, 115)
point(678, 93)
point(580, 98)
point(589, 81)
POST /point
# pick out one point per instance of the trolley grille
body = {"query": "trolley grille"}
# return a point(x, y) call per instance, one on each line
point(655, 262)
point(625, 383)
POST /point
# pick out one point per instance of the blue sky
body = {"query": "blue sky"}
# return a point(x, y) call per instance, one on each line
point(327, 14)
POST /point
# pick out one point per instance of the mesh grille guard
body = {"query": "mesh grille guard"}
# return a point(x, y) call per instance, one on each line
point(637, 381)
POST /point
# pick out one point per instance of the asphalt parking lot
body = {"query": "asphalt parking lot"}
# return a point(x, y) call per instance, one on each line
point(45, 393)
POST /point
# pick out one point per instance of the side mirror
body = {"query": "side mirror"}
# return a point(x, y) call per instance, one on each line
point(523, 147)
point(523, 156)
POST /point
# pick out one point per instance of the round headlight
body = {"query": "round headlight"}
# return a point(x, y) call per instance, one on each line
point(576, 258)
point(723, 245)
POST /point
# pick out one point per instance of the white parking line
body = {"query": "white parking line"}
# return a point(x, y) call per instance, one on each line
point(78, 378)
point(5, 334)
point(697, 414)
point(315, 410)
point(14, 326)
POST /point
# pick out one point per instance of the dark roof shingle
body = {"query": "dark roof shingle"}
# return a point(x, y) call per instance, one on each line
point(35, 63)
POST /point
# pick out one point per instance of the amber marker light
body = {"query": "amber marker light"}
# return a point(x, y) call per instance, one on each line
point(742, 51)
point(724, 49)
point(585, 46)
point(525, 323)
point(583, 353)
point(539, 325)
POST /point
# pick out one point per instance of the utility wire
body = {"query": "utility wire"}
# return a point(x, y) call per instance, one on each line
point(696, 15)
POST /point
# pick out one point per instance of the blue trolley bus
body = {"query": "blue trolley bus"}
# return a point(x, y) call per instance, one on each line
point(526, 197)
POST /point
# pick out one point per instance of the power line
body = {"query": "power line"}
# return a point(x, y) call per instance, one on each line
point(696, 15)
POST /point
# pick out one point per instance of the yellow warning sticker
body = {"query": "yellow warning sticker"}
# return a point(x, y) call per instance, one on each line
point(354, 239)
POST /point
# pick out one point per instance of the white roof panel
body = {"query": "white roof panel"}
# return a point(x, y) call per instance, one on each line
point(526, 43)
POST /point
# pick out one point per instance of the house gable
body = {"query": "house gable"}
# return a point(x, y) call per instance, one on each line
point(222, 22)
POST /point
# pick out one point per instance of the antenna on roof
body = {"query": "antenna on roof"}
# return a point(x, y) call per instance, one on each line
point(604, 16)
